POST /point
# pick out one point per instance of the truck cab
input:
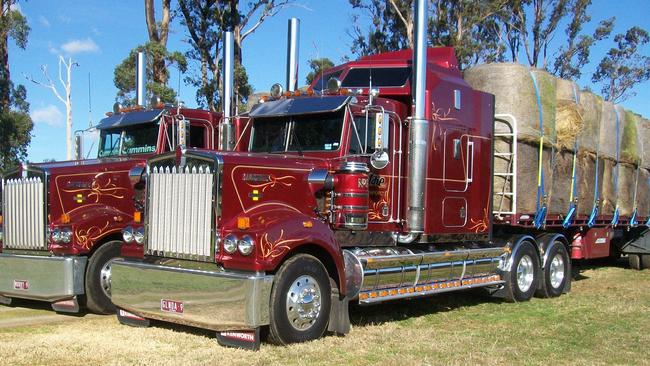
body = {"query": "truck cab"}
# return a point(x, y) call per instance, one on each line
point(62, 221)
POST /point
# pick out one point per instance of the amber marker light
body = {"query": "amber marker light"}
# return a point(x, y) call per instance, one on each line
point(1, 220)
point(137, 216)
point(307, 224)
point(243, 222)
point(65, 219)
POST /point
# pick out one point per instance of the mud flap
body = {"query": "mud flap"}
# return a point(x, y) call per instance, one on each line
point(5, 300)
point(130, 319)
point(66, 306)
point(339, 322)
point(244, 339)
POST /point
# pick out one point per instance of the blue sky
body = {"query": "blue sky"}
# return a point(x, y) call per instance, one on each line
point(99, 34)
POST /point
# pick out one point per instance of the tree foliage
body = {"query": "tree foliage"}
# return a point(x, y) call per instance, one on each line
point(317, 66)
point(125, 73)
point(623, 67)
point(206, 22)
point(159, 59)
point(15, 123)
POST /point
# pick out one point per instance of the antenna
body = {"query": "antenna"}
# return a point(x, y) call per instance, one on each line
point(90, 105)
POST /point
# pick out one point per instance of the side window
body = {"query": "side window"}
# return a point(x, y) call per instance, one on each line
point(197, 137)
point(362, 135)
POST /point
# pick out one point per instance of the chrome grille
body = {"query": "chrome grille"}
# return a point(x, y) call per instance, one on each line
point(180, 216)
point(23, 209)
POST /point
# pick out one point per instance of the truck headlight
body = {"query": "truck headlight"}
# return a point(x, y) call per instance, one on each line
point(138, 235)
point(127, 234)
point(66, 235)
point(245, 245)
point(230, 243)
point(56, 235)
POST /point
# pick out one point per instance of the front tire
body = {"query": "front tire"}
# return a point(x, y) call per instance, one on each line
point(98, 278)
point(300, 301)
point(524, 273)
point(557, 270)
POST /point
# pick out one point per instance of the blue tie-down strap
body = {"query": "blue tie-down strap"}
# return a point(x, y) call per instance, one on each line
point(540, 217)
point(593, 215)
point(569, 216)
point(615, 218)
point(633, 221)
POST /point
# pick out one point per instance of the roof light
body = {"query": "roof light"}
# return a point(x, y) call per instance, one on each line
point(276, 91)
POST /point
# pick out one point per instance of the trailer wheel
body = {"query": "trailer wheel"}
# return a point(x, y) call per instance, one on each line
point(98, 278)
point(300, 301)
point(524, 273)
point(635, 261)
point(557, 272)
point(645, 261)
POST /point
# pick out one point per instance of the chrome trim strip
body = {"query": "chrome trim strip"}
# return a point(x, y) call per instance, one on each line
point(216, 300)
point(45, 278)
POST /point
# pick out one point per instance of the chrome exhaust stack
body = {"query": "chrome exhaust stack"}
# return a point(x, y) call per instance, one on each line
point(141, 79)
point(419, 133)
point(293, 38)
point(227, 130)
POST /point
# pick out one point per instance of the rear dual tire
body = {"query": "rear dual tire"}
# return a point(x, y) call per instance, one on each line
point(557, 272)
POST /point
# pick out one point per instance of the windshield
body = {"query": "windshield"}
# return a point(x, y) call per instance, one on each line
point(129, 140)
point(312, 132)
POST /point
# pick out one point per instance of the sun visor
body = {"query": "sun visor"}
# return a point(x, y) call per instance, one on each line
point(293, 106)
point(130, 118)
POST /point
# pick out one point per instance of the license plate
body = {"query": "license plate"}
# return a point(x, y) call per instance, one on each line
point(21, 285)
point(171, 306)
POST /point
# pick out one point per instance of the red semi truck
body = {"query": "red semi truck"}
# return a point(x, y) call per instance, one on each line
point(61, 222)
point(374, 186)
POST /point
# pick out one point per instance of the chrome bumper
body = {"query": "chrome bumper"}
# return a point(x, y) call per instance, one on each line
point(209, 299)
point(41, 278)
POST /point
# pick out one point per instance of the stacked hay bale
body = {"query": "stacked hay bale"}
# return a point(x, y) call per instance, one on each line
point(589, 162)
point(513, 87)
point(630, 157)
point(643, 183)
point(609, 151)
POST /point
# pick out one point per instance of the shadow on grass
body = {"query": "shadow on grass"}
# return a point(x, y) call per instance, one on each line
point(44, 305)
point(413, 308)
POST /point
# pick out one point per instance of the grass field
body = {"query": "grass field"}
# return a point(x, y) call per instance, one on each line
point(604, 320)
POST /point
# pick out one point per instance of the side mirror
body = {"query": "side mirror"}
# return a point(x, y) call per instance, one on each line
point(379, 158)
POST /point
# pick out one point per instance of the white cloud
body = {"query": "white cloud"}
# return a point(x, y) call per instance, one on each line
point(80, 46)
point(43, 20)
point(49, 115)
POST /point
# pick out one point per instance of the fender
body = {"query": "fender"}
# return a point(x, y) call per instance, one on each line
point(90, 225)
point(281, 232)
point(514, 243)
point(545, 243)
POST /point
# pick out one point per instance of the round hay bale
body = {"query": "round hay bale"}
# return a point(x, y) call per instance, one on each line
point(630, 145)
point(644, 136)
point(591, 106)
point(607, 141)
point(569, 124)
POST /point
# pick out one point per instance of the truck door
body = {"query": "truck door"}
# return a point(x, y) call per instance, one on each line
point(457, 176)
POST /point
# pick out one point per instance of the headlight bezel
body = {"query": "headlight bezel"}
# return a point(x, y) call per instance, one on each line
point(230, 243)
point(127, 235)
point(138, 235)
point(245, 245)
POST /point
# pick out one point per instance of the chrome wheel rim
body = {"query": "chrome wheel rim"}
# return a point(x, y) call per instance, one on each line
point(105, 278)
point(556, 271)
point(525, 273)
point(303, 302)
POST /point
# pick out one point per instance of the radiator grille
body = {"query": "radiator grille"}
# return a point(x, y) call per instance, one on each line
point(23, 209)
point(180, 215)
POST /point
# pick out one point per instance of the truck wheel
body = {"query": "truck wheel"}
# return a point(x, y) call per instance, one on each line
point(635, 261)
point(557, 272)
point(300, 301)
point(524, 273)
point(98, 278)
point(645, 261)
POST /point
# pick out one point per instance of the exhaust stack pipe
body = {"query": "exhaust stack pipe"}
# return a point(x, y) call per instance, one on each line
point(418, 137)
point(141, 79)
point(293, 39)
point(227, 130)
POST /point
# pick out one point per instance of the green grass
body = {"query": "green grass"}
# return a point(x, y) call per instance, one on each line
point(604, 320)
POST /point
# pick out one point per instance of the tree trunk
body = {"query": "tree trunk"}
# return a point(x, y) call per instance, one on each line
point(5, 75)
point(158, 34)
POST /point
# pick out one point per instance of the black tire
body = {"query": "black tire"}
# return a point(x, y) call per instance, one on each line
point(557, 272)
point(635, 261)
point(306, 273)
point(525, 263)
point(645, 261)
point(97, 283)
